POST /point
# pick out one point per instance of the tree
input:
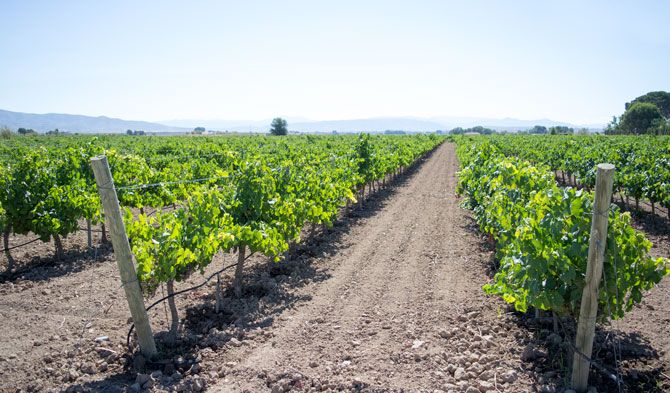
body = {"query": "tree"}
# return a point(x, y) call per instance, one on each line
point(278, 126)
point(659, 98)
point(538, 130)
point(481, 130)
point(129, 132)
point(641, 118)
point(25, 131)
point(558, 130)
point(198, 130)
point(476, 129)
point(613, 127)
point(663, 128)
point(5, 133)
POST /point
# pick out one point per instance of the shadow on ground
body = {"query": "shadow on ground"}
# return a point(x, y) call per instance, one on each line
point(621, 362)
point(651, 223)
point(43, 268)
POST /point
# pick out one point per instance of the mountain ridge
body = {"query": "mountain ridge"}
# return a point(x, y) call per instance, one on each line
point(79, 123)
point(104, 124)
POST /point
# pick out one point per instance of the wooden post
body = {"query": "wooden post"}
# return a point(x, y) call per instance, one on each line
point(124, 260)
point(5, 243)
point(89, 236)
point(218, 295)
point(594, 269)
point(237, 282)
point(103, 237)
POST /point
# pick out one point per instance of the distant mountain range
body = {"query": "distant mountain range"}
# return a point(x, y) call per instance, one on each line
point(79, 123)
point(102, 124)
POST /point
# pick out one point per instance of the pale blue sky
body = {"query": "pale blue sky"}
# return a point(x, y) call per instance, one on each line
point(576, 61)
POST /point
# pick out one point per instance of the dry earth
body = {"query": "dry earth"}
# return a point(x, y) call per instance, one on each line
point(388, 300)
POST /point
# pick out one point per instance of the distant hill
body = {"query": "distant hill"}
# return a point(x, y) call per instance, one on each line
point(102, 124)
point(79, 123)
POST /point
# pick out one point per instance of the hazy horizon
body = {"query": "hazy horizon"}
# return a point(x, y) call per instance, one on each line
point(167, 61)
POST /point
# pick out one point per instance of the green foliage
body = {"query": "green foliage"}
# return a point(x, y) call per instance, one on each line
point(365, 156)
point(641, 118)
point(477, 129)
point(612, 127)
point(542, 237)
point(5, 133)
point(3, 217)
point(647, 114)
point(257, 192)
point(663, 128)
point(538, 130)
point(25, 131)
point(560, 130)
point(171, 246)
point(278, 126)
point(659, 98)
point(642, 162)
point(47, 195)
point(262, 200)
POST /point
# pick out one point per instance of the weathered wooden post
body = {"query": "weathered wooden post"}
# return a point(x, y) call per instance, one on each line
point(123, 254)
point(89, 235)
point(237, 281)
point(594, 268)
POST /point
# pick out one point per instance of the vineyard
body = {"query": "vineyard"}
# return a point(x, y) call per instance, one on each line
point(542, 235)
point(643, 163)
point(407, 266)
point(252, 192)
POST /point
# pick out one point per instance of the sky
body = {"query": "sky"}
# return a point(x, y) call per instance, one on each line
point(573, 61)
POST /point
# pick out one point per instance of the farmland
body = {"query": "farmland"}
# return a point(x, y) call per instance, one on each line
point(361, 266)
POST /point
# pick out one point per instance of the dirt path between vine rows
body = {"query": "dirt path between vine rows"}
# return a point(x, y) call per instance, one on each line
point(402, 310)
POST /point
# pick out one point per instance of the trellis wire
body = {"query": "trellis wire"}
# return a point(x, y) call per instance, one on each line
point(164, 298)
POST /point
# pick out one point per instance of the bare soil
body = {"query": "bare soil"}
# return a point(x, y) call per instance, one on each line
point(389, 299)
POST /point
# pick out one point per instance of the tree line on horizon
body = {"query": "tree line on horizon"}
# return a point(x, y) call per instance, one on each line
point(537, 129)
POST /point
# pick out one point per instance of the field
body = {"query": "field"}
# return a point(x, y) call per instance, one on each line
point(364, 269)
